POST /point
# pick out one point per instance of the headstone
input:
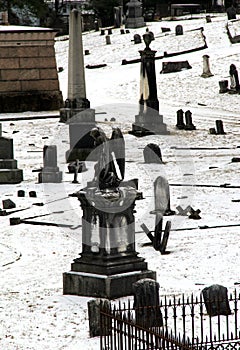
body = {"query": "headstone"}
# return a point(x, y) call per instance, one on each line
point(180, 123)
point(134, 15)
point(146, 303)
point(234, 81)
point(21, 193)
point(96, 25)
point(223, 84)
point(206, 68)
point(8, 204)
point(122, 31)
point(152, 154)
point(127, 31)
point(94, 307)
point(9, 173)
point(208, 19)
point(137, 39)
point(108, 40)
point(86, 52)
point(162, 196)
point(188, 119)
point(109, 31)
point(118, 12)
point(32, 194)
point(177, 66)
point(50, 171)
point(179, 29)
point(219, 127)
point(102, 32)
point(164, 30)
point(212, 131)
point(231, 12)
point(216, 300)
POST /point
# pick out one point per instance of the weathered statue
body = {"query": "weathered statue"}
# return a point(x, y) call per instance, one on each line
point(110, 168)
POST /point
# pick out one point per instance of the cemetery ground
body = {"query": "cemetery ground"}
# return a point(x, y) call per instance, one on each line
point(34, 313)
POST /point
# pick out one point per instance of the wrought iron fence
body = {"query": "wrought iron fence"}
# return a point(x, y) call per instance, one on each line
point(176, 323)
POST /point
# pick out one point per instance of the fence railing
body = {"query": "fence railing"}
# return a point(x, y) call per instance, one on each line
point(176, 323)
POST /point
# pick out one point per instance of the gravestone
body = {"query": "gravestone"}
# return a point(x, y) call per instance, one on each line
point(178, 66)
point(94, 307)
point(146, 303)
point(234, 81)
point(164, 29)
point(108, 40)
point(21, 193)
point(216, 300)
point(223, 84)
point(109, 31)
point(50, 171)
point(206, 67)
point(134, 15)
point(219, 127)
point(162, 197)
point(208, 19)
point(122, 31)
point(180, 123)
point(9, 173)
point(148, 121)
point(152, 154)
point(8, 204)
point(118, 13)
point(137, 39)
point(231, 12)
point(102, 32)
point(179, 29)
point(188, 119)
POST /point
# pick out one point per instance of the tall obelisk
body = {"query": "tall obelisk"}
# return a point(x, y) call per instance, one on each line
point(77, 110)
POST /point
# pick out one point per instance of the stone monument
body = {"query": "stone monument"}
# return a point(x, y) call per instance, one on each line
point(148, 121)
point(77, 112)
point(108, 264)
point(50, 172)
point(134, 15)
point(234, 80)
point(9, 173)
point(206, 67)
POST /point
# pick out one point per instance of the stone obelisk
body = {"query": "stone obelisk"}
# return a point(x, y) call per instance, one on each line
point(77, 110)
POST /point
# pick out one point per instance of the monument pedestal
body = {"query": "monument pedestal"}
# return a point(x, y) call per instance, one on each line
point(149, 124)
point(50, 172)
point(9, 173)
point(135, 18)
point(108, 264)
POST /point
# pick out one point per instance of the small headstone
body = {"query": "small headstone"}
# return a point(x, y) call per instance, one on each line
point(188, 120)
point(14, 221)
point(146, 303)
point(122, 31)
point(94, 307)
point(216, 300)
point(235, 159)
point(206, 68)
point(212, 131)
point(231, 12)
point(171, 67)
point(223, 84)
point(96, 25)
point(208, 19)
point(234, 86)
point(127, 31)
point(109, 31)
point(164, 30)
point(165, 237)
point(179, 29)
point(219, 127)
point(137, 39)
point(152, 154)
point(21, 193)
point(102, 32)
point(8, 204)
point(108, 40)
point(86, 52)
point(50, 172)
point(32, 194)
point(180, 123)
point(162, 196)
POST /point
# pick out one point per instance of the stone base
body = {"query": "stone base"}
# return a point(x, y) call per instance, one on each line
point(11, 176)
point(101, 286)
point(8, 164)
point(135, 22)
point(149, 124)
point(13, 102)
point(50, 177)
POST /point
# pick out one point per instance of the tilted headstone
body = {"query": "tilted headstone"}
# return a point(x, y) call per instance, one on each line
point(94, 307)
point(137, 39)
point(8, 204)
point(216, 300)
point(206, 67)
point(219, 127)
point(179, 29)
point(152, 154)
point(223, 84)
point(50, 171)
point(180, 123)
point(188, 120)
point(146, 303)
point(162, 196)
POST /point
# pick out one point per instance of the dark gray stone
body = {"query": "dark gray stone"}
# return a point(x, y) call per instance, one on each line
point(50, 172)
point(231, 12)
point(234, 86)
point(108, 40)
point(146, 303)
point(8, 204)
point(219, 127)
point(188, 119)
point(223, 84)
point(21, 193)
point(94, 307)
point(179, 29)
point(137, 39)
point(32, 194)
point(171, 67)
point(152, 154)
point(180, 123)
point(216, 300)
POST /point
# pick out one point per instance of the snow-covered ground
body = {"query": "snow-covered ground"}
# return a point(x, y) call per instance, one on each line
point(34, 313)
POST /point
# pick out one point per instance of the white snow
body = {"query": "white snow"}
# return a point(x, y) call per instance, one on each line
point(34, 313)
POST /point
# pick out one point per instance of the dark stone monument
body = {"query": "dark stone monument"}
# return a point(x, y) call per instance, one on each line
point(219, 127)
point(146, 303)
point(231, 12)
point(152, 154)
point(134, 15)
point(137, 39)
point(118, 14)
point(77, 112)
point(216, 300)
point(8, 204)
point(188, 119)
point(179, 29)
point(234, 86)
point(122, 31)
point(223, 84)
point(50, 171)
point(171, 67)
point(102, 32)
point(148, 121)
point(180, 123)
point(94, 307)
point(208, 19)
point(206, 67)
point(212, 131)
point(109, 31)
point(9, 173)
point(32, 194)
point(108, 40)
point(21, 193)
point(109, 263)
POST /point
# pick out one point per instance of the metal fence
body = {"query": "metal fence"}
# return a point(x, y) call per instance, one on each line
point(176, 323)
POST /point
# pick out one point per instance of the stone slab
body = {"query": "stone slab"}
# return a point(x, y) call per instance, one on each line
point(11, 176)
point(8, 164)
point(50, 177)
point(100, 286)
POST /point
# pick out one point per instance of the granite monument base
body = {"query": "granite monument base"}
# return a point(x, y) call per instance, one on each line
point(11, 176)
point(135, 22)
point(149, 125)
point(50, 177)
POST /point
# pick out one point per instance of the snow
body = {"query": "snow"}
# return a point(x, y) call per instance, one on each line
point(34, 313)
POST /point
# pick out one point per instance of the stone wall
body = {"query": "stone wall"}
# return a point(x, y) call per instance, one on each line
point(28, 73)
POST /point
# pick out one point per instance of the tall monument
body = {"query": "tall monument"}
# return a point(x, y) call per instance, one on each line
point(148, 121)
point(77, 110)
